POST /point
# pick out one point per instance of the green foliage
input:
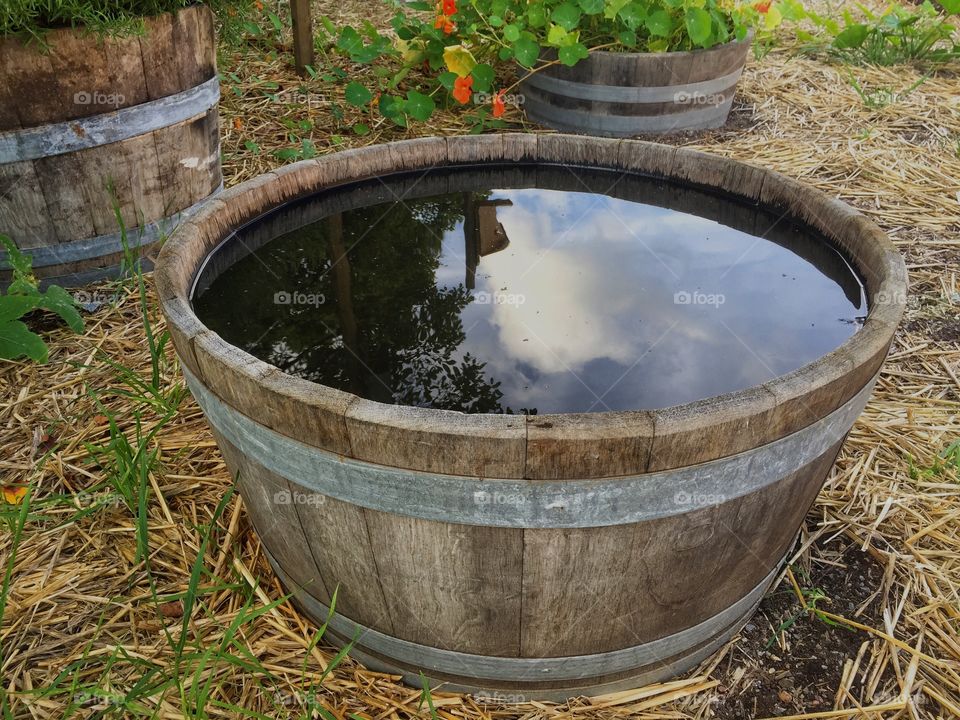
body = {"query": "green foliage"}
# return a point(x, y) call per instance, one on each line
point(898, 35)
point(107, 17)
point(23, 297)
point(458, 43)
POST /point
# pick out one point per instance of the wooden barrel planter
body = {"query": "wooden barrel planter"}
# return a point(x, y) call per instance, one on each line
point(632, 545)
point(87, 121)
point(627, 94)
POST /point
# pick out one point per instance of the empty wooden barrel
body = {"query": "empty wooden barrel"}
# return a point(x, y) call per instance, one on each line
point(86, 122)
point(530, 557)
point(626, 94)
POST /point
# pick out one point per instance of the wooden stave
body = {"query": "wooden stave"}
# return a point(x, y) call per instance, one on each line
point(340, 543)
point(451, 671)
point(627, 94)
point(162, 74)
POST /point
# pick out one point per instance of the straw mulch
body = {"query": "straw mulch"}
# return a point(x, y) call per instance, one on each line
point(81, 613)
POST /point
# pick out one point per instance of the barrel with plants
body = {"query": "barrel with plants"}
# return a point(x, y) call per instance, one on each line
point(119, 141)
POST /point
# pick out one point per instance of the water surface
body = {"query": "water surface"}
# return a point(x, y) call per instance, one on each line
point(529, 289)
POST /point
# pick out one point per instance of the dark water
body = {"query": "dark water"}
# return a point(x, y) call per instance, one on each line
point(560, 290)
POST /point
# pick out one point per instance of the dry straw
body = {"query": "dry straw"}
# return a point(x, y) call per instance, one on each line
point(81, 611)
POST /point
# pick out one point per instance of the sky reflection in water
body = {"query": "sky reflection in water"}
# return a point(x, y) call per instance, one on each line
point(554, 298)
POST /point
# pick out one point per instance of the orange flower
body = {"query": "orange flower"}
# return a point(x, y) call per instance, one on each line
point(237, 124)
point(443, 22)
point(762, 7)
point(498, 106)
point(462, 89)
point(449, 7)
point(259, 5)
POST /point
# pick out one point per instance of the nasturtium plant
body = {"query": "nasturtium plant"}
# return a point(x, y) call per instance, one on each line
point(23, 296)
point(457, 44)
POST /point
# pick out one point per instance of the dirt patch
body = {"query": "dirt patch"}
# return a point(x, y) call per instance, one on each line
point(801, 670)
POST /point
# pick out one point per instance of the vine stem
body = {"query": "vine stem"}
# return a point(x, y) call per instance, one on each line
point(534, 71)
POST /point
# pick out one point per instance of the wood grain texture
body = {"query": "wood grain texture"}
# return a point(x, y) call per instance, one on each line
point(570, 446)
point(345, 555)
point(450, 586)
point(310, 413)
point(23, 211)
point(627, 94)
point(68, 197)
point(302, 35)
point(711, 428)
point(453, 443)
point(640, 582)
point(270, 506)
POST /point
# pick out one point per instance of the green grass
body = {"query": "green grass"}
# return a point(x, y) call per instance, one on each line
point(33, 18)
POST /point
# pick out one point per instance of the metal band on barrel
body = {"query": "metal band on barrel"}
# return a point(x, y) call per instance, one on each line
point(109, 127)
point(111, 244)
point(540, 504)
point(511, 669)
point(630, 94)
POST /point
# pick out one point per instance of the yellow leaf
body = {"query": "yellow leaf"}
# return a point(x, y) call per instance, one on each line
point(13, 495)
point(458, 60)
point(773, 18)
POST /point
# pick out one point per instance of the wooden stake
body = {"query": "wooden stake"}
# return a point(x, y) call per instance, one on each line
point(302, 35)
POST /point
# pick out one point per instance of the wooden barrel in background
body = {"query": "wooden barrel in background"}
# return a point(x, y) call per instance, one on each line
point(538, 557)
point(627, 94)
point(86, 120)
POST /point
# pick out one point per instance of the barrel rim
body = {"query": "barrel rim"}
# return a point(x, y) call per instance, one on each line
point(152, 24)
point(405, 436)
point(675, 54)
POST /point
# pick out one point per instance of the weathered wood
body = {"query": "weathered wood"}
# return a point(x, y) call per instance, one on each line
point(546, 555)
point(307, 412)
point(572, 446)
point(625, 94)
point(451, 586)
point(269, 503)
point(303, 52)
point(491, 446)
point(130, 119)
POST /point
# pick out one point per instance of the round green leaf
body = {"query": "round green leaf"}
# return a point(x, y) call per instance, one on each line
point(511, 33)
point(566, 15)
point(482, 77)
point(699, 25)
point(526, 51)
point(633, 14)
point(357, 95)
point(572, 54)
point(536, 15)
point(592, 7)
point(419, 106)
point(659, 23)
